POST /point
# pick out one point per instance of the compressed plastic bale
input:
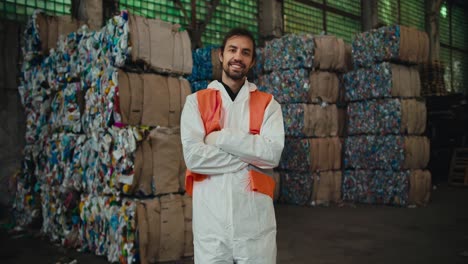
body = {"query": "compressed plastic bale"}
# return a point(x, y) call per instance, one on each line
point(420, 183)
point(206, 64)
point(324, 87)
point(162, 46)
point(326, 154)
point(327, 188)
point(167, 158)
point(141, 185)
point(108, 226)
point(126, 161)
point(51, 27)
point(287, 86)
point(149, 229)
point(296, 187)
point(163, 100)
point(390, 43)
point(296, 119)
point(314, 154)
point(383, 80)
point(140, 38)
point(257, 68)
point(172, 228)
point(182, 59)
point(296, 155)
point(329, 53)
point(386, 116)
point(143, 232)
point(188, 242)
point(417, 152)
point(390, 152)
point(376, 186)
point(96, 161)
point(291, 51)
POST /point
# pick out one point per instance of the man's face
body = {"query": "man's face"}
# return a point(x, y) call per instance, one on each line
point(237, 57)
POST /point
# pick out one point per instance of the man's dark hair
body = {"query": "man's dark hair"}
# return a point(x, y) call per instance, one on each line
point(239, 32)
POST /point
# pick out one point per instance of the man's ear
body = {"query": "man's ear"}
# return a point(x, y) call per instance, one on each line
point(220, 55)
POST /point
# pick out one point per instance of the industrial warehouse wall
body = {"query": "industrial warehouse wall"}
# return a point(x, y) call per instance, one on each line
point(12, 118)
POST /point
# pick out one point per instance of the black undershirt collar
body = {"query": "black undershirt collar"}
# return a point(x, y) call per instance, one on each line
point(229, 91)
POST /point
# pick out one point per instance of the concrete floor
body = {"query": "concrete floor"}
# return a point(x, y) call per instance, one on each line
point(351, 234)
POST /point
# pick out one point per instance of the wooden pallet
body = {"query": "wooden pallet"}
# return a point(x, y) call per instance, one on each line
point(458, 175)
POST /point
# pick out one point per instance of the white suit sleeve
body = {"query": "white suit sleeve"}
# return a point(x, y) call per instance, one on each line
point(200, 157)
point(263, 150)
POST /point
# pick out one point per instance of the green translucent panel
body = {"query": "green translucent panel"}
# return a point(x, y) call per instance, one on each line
point(10, 8)
point(444, 26)
point(459, 29)
point(231, 14)
point(349, 6)
point(228, 14)
point(388, 12)
point(30, 10)
point(41, 4)
point(300, 18)
point(161, 9)
point(343, 27)
point(413, 14)
point(20, 9)
point(459, 70)
point(447, 61)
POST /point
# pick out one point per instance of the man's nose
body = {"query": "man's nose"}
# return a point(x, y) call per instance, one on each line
point(237, 56)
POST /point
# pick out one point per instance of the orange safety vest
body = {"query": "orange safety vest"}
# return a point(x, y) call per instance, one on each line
point(209, 105)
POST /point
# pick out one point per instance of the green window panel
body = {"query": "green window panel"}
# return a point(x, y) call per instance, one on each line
point(231, 14)
point(446, 59)
point(459, 28)
point(164, 10)
point(459, 70)
point(343, 27)
point(444, 25)
point(20, 10)
point(388, 12)
point(413, 14)
point(349, 6)
point(301, 18)
point(227, 15)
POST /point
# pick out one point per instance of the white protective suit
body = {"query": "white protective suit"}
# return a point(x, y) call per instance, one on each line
point(231, 222)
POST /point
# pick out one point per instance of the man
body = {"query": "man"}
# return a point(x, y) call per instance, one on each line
point(231, 135)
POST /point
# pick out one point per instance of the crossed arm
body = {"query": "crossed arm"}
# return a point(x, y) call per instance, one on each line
point(230, 150)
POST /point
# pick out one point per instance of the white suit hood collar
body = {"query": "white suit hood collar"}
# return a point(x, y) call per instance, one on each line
point(219, 86)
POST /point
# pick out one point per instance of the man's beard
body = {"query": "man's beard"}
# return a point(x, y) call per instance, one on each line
point(234, 75)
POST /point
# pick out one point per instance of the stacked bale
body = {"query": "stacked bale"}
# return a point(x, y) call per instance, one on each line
point(155, 100)
point(206, 67)
point(385, 154)
point(101, 143)
point(313, 123)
